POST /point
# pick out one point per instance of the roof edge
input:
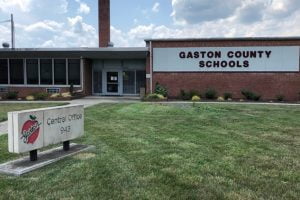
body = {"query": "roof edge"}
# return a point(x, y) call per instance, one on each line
point(224, 39)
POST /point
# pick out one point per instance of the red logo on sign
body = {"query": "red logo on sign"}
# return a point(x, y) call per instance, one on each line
point(30, 130)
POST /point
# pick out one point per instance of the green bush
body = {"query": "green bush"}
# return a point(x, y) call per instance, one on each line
point(280, 97)
point(188, 95)
point(12, 95)
point(184, 95)
point(159, 89)
point(227, 95)
point(40, 95)
point(154, 96)
point(210, 94)
point(249, 95)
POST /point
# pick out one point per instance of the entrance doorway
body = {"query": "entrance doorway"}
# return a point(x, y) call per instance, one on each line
point(112, 83)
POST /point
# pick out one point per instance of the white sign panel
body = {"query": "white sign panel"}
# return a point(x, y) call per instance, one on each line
point(227, 59)
point(33, 129)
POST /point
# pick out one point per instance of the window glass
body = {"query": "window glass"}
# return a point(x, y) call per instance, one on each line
point(32, 71)
point(97, 82)
point(16, 70)
point(74, 71)
point(60, 72)
point(140, 80)
point(3, 71)
point(129, 82)
point(46, 71)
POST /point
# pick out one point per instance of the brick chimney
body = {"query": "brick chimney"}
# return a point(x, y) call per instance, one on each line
point(104, 23)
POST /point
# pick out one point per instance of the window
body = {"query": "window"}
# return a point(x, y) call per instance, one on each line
point(46, 71)
point(53, 90)
point(16, 71)
point(140, 80)
point(32, 71)
point(60, 72)
point(3, 71)
point(74, 71)
point(97, 82)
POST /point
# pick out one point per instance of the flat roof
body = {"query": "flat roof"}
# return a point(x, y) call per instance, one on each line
point(223, 39)
point(93, 53)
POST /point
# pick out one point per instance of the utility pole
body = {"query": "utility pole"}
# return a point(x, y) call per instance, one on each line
point(12, 31)
point(12, 24)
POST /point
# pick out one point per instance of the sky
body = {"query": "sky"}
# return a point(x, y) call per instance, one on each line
point(74, 23)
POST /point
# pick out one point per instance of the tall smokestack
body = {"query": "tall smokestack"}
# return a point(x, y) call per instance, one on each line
point(104, 23)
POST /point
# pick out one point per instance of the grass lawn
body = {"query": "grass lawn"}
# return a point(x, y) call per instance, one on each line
point(147, 151)
point(8, 107)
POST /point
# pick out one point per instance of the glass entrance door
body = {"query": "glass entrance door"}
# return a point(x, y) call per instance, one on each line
point(112, 79)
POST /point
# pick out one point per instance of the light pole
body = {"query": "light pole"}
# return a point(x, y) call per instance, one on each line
point(11, 20)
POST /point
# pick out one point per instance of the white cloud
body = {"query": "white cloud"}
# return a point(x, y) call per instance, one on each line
point(83, 7)
point(47, 25)
point(155, 7)
point(8, 5)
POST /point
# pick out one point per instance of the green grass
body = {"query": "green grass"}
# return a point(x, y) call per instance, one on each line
point(8, 107)
point(146, 151)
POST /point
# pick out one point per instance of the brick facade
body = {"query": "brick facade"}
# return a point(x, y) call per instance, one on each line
point(87, 77)
point(269, 85)
point(104, 22)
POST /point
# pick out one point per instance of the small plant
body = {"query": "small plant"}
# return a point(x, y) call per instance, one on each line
point(227, 95)
point(66, 94)
point(12, 95)
point(184, 95)
point(159, 89)
point(249, 95)
point(220, 99)
point(196, 98)
point(210, 94)
point(40, 95)
point(30, 98)
point(55, 95)
point(280, 97)
point(154, 97)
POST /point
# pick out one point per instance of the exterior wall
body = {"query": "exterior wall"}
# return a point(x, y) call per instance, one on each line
point(87, 77)
point(269, 85)
point(26, 90)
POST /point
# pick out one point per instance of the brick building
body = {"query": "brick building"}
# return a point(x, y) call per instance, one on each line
point(267, 66)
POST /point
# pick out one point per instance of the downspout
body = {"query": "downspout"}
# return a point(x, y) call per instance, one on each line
point(151, 69)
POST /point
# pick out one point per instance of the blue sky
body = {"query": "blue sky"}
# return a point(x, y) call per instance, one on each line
point(74, 23)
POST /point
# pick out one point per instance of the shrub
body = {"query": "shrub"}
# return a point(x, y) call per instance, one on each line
point(220, 99)
point(196, 98)
point(184, 95)
point(227, 95)
point(30, 98)
point(159, 89)
point(40, 95)
point(250, 95)
point(154, 96)
point(280, 97)
point(55, 95)
point(66, 94)
point(12, 95)
point(210, 94)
